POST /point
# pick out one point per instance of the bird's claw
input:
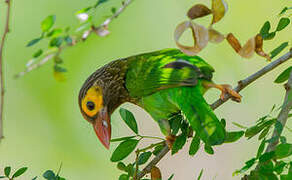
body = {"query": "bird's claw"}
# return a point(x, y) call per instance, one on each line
point(227, 89)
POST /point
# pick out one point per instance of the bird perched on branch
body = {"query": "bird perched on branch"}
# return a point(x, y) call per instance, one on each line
point(163, 83)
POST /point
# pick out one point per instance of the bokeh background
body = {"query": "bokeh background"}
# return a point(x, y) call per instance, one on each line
point(42, 123)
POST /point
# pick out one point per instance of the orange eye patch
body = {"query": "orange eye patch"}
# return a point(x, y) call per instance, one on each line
point(92, 102)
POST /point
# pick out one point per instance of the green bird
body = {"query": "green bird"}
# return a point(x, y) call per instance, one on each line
point(163, 83)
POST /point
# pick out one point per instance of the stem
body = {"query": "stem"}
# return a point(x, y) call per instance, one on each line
point(151, 137)
point(6, 30)
point(150, 146)
point(283, 115)
point(241, 85)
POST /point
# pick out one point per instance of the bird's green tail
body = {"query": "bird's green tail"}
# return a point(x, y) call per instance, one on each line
point(199, 114)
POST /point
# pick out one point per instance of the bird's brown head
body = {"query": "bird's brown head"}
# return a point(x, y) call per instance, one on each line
point(95, 111)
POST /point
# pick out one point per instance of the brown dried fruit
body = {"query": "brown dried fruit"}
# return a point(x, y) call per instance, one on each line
point(248, 49)
point(215, 36)
point(219, 8)
point(155, 173)
point(198, 10)
point(235, 44)
point(259, 47)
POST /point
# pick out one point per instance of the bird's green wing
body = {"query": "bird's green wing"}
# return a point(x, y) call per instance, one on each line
point(151, 72)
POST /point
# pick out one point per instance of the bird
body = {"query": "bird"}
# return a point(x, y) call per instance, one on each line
point(163, 83)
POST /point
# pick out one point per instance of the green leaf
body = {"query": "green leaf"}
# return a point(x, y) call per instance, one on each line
point(7, 171)
point(239, 125)
point(49, 175)
point(143, 158)
point(179, 143)
point(157, 149)
point(265, 29)
point(208, 149)
point(200, 175)
point(195, 145)
point(122, 138)
point(254, 130)
point(283, 139)
point(279, 167)
point(283, 150)
point(267, 156)
point(56, 42)
point(32, 42)
point(129, 119)
point(283, 23)
point(19, 172)
point(233, 136)
point(284, 76)
point(2, 177)
point(55, 32)
point(269, 36)
point(38, 53)
point(223, 122)
point(283, 10)
point(84, 10)
point(58, 68)
point(130, 169)
point(124, 177)
point(175, 123)
point(99, 2)
point(170, 178)
point(279, 49)
point(48, 23)
point(248, 164)
point(113, 10)
point(68, 40)
point(124, 149)
point(264, 132)
point(261, 148)
point(121, 166)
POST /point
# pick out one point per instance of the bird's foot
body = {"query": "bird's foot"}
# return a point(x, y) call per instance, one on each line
point(170, 140)
point(227, 89)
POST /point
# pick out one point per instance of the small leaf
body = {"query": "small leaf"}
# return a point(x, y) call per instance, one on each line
point(56, 42)
point(129, 119)
point(233, 136)
point(49, 175)
point(283, 150)
point(175, 123)
point(124, 149)
point(38, 53)
point(284, 22)
point(113, 10)
point(279, 49)
point(195, 145)
point(99, 2)
point(267, 156)
point(179, 143)
point(170, 178)
point(283, 139)
point(48, 23)
point(157, 149)
point(208, 149)
point(124, 177)
point(284, 76)
point(198, 10)
point(200, 175)
point(2, 177)
point(122, 138)
point(19, 172)
point(121, 166)
point(265, 29)
point(84, 10)
point(264, 132)
point(7, 171)
point(261, 148)
point(279, 167)
point(32, 42)
point(143, 158)
point(283, 10)
point(54, 33)
point(239, 125)
point(68, 40)
point(223, 122)
point(269, 36)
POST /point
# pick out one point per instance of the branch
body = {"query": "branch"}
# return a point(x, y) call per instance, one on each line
point(101, 30)
point(6, 30)
point(283, 115)
point(241, 85)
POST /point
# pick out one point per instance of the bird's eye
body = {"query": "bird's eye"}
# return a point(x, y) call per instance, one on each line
point(90, 105)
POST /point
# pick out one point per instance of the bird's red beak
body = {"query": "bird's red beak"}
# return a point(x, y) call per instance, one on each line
point(102, 127)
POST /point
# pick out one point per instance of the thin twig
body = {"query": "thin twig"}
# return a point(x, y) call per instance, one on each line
point(241, 85)
point(99, 30)
point(6, 30)
point(283, 116)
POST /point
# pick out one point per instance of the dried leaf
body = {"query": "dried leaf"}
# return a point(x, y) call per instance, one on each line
point(155, 173)
point(219, 8)
point(248, 49)
point(259, 47)
point(200, 36)
point(235, 44)
point(198, 10)
point(215, 36)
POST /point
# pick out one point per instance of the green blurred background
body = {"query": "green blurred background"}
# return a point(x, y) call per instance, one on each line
point(42, 123)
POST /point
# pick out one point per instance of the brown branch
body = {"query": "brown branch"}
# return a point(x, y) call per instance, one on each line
point(6, 30)
point(241, 85)
point(283, 115)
